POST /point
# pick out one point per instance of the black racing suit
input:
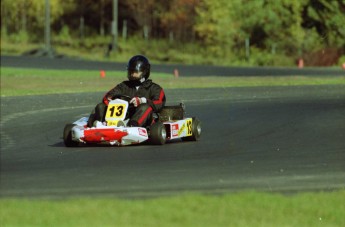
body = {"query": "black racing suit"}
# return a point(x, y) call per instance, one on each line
point(140, 116)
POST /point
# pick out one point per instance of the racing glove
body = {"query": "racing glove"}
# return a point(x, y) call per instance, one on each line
point(137, 101)
point(107, 99)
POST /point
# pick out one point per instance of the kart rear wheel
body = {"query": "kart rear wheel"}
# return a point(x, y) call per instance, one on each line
point(158, 133)
point(196, 131)
point(67, 136)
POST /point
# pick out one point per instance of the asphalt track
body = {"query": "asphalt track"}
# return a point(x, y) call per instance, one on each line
point(184, 70)
point(276, 139)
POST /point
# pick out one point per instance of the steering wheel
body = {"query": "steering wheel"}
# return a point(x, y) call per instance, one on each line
point(123, 97)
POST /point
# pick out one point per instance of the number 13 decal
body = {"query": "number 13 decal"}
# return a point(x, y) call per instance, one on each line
point(118, 113)
point(115, 111)
point(189, 127)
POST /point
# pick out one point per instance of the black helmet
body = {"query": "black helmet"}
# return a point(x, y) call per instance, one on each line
point(138, 63)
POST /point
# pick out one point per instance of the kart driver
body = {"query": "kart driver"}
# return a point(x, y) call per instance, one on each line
point(146, 96)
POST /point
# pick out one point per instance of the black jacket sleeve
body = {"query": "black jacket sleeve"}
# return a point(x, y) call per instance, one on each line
point(117, 90)
point(157, 97)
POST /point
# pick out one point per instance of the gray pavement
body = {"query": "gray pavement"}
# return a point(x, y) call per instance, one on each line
point(277, 139)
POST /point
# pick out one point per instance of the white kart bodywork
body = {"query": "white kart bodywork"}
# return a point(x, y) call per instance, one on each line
point(115, 132)
point(126, 135)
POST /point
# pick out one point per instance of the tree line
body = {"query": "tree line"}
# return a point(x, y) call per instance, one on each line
point(291, 27)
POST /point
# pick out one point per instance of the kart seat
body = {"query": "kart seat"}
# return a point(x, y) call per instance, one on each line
point(169, 113)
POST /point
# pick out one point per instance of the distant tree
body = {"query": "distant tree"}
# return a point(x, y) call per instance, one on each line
point(162, 18)
point(328, 19)
point(216, 24)
point(292, 27)
point(179, 18)
point(95, 15)
point(27, 16)
point(264, 22)
point(142, 13)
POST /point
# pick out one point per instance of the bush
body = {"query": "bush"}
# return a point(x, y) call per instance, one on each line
point(263, 58)
point(341, 60)
point(158, 50)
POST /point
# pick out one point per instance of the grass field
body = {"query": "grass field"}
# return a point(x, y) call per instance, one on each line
point(15, 82)
point(236, 209)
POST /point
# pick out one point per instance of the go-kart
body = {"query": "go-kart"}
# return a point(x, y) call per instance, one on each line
point(170, 123)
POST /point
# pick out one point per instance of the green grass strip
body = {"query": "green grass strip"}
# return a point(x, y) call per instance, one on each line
point(237, 209)
point(19, 81)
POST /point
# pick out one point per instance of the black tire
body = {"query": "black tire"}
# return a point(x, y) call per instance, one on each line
point(67, 136)
point(196, 131)
point(158, 133)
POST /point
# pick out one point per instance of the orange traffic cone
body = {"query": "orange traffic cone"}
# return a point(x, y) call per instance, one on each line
point(300, 63)
point(102, 73)
point(176, 73)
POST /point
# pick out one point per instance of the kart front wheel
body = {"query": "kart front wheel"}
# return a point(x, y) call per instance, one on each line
point(67, 136)
point(196, 131)
point(158, 133)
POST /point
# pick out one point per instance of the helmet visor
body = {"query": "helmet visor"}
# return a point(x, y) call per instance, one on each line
point(135, 75)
